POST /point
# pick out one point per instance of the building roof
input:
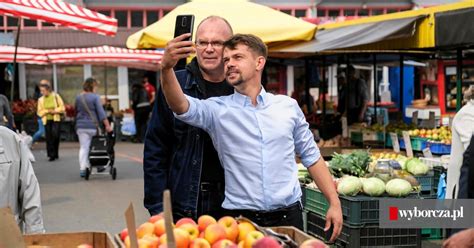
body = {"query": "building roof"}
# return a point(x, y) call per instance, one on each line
point(68, 38)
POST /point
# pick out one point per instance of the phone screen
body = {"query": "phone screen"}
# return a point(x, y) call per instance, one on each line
point(184, 24)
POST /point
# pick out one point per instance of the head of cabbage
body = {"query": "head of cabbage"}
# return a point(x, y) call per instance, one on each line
point(398, 187)
point(416, 167)
point(349, 185)
point(373, 186)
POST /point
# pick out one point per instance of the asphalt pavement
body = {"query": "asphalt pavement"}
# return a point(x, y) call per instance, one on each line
point(71, 203)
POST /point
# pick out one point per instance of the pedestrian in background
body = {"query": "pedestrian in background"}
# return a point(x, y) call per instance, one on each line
point(5, 112)
point(141, 110)
point(150, 90)
point(50, 109)
point(89, 115)
point(40, 132)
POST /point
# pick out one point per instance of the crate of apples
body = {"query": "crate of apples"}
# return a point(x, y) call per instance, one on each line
point(208, 232)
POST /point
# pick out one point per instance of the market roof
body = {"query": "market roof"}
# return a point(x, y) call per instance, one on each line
point(65, 38)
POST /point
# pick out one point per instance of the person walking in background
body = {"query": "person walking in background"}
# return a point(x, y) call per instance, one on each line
point(6, 112)
point(150, 90)
point(353, 96)
point(141, 110)
point(89, 115)
point(178, 156)
point(40, 132)
point(50, 109)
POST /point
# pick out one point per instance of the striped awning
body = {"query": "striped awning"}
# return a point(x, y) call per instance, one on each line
point(61, 13)
point(113, 56)
point(24, 55)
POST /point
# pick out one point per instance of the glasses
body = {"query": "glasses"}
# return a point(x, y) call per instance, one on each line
point(204, 44)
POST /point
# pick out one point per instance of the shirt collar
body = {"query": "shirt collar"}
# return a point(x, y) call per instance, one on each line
point(243, 100)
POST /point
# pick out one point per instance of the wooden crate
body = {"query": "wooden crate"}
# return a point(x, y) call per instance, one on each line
point(66, 240)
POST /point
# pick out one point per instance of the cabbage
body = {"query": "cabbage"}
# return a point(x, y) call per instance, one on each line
point(373, 186)
point(401, 160)
point(349, 185)
point(416, 167)
point(398, 187)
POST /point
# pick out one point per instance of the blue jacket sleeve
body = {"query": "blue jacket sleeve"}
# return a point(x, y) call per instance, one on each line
point(157, 154)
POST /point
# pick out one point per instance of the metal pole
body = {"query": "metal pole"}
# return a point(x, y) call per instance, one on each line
point(375, 87)
point(307, 99)
point(401, 85)
point(12, 88)
point(324, 88)
point(458, 78)
point(105, 79)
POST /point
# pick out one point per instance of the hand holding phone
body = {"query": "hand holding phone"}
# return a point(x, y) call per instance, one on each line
point(184, 24)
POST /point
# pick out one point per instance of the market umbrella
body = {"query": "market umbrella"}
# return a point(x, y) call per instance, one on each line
point(23, 55)
point(245, 17)
point(116, 56)
point(60, 13)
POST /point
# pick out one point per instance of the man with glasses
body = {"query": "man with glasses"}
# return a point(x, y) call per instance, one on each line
point(181, 157)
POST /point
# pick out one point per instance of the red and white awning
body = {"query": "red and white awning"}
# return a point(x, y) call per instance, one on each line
point(24, 55)
point(113, 56)
point(61, 13)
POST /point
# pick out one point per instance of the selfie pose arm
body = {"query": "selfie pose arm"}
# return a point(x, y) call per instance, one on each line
point(176, 49)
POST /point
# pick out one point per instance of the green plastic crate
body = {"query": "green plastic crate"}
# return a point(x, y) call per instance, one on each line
point(429, 182)
point(431, 233)
point(366, 236)
point(356, 137)
point(356, 210)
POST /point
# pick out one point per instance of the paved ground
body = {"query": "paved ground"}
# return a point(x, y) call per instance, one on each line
point(72, 204)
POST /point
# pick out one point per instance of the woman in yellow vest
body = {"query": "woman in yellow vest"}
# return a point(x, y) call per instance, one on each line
point(50, 109)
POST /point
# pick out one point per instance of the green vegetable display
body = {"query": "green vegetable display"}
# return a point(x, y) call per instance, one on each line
point(355, 163)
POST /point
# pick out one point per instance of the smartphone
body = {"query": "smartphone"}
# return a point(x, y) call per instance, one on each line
point(184, 24)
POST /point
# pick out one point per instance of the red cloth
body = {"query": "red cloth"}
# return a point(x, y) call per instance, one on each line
point(150, 89)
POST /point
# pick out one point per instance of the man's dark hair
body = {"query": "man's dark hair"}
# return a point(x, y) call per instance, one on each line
point(89, 84)
point(253, 42)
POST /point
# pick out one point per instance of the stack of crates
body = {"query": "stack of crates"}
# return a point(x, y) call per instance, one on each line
point(361, 223)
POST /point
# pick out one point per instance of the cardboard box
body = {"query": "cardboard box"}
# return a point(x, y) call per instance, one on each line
point(65, 240)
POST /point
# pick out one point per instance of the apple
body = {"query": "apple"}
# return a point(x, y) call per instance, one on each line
point(184, 221)
point(313, 243)
point(214, 233)
point(159, 227)
point(85, 246)
point(224, 243)
point(144, 243)
point(204, 221)
point(231, 227)
point(156, 217)
point(266, 242)
point(200, 243)
point(241, 244)
point(244, 228)
point(145, 228)
point(123, 234)
point(153, 240)
point(181, 238)
point(251, 238)
point(192, 230)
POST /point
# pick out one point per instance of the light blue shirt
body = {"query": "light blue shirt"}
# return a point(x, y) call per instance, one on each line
point(256, 146)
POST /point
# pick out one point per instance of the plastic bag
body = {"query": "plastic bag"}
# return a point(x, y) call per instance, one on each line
point(441, 194)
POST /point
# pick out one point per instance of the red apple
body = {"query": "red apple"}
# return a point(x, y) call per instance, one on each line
point(266, 242)
point(251, 238)
point(156, 217)
point(214, 233)
point(181, 238)
point(313, 243)
point(184, 221)
point(191, 229)
point(85, 246)
point(123, 234)
point(145, 228)
point(159, 227)
point(231, 227)
point(224, 243)
point(153, 241)
point(200, 243)
point(204, 221)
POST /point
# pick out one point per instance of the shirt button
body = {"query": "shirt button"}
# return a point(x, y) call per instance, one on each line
point(195, 162)
point(197, 136)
